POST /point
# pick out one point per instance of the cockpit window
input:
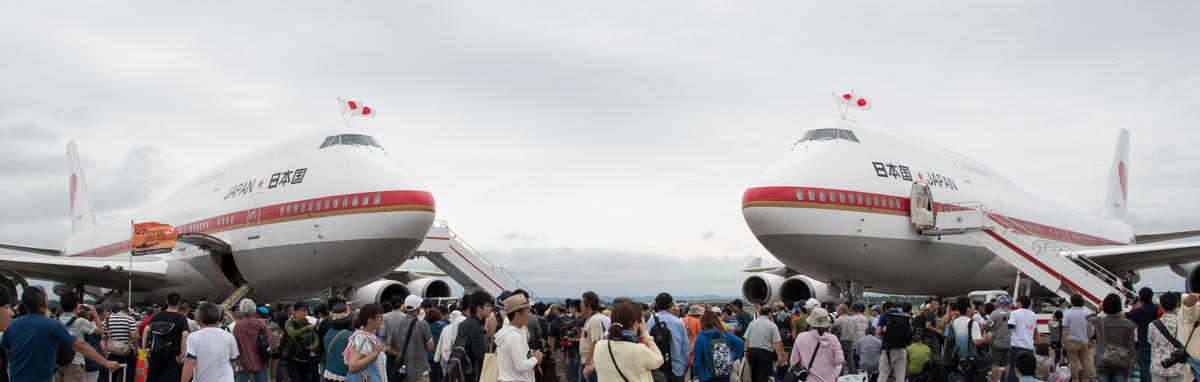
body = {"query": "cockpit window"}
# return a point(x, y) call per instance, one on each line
point(822, 134)
point(350, 139)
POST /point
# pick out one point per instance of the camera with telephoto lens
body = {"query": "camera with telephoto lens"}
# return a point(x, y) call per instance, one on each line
point(1177, 356)
point(573, 333)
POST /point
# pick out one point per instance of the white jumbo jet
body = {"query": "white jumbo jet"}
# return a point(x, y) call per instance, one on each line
point(321, 213)
point(836, 211)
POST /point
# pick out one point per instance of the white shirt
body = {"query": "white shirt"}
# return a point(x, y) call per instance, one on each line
point(512, 355)
point(1024, 325)
point(212, 349)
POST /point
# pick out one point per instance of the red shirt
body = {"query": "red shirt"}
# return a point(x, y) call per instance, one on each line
point(142, 326)
point(246, 333)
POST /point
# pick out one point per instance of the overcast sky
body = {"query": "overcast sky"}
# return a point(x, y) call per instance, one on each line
point(597, 145)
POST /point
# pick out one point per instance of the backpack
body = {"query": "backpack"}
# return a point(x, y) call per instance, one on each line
point(275, 339)
point(720, 357)
point(567, 324)
point(458, 365)
point(92, 340)
point(65, 353)
point(160, 339)
point(298, 351)
point(662, 339)
point(264, 348)
point(784, 326)
point(898, 331)
point(932, 372)
point(918, 324)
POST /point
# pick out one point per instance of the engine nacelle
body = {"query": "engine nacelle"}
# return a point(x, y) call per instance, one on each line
point(378, 292)
point(774, 288)
point(1192, 282)
point(383, 290)
point(429, 288)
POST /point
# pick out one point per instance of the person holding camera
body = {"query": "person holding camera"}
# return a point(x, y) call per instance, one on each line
point(621, 358)
point(1168, 363)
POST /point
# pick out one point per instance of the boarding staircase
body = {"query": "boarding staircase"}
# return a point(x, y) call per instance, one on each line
point(1049, 262)
point(464, 264)
point(242, 290)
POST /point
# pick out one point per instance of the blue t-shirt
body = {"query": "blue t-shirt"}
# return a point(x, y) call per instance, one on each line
point(32, 343)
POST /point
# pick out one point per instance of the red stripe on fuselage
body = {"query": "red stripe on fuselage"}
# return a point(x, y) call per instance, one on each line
point(271, 214)
point(832, 199)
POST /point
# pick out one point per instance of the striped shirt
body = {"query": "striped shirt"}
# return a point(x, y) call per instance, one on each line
point(118, 326)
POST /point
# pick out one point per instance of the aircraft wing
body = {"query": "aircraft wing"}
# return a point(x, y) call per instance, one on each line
point(1142, 256)
point(407, 275)
point(148, 272)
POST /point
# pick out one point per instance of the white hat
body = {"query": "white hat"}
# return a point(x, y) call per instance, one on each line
point(811, 303)
point(412, 302)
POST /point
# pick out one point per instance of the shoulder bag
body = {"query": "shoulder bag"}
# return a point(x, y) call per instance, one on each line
point(798, 372)
point(1112, 355)
point(118, 348)
point(394, 370)
point(614, 359)
point(975, 363)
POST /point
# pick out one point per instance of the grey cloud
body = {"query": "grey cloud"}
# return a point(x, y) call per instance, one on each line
point(520, 236)
point(707, 235)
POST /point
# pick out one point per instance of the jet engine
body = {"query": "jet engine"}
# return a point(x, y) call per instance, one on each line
point(1192, 282)
point(383, 290)
point(774, 288)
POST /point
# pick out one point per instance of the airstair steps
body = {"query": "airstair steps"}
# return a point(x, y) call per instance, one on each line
point(466, 266)
point(1051, 263)
point(243, 289)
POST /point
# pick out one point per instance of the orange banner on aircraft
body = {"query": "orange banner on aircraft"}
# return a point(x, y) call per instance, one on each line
point(153, 238)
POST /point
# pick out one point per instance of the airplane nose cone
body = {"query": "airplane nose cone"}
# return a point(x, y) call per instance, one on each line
point(414, 215)
point(763, 215)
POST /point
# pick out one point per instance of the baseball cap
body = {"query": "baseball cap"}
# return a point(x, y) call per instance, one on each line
point(811, 303)
point(412, 302)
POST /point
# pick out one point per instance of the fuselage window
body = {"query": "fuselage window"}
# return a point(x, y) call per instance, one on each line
point(310, 206)
point(811, 196)
point(301, 207)
point(345, 202)
point(326, 203)
point(366, 201)
point(799, 194)
point(354, 202)
point(377, 198)
point(859, 197)
point(822, 193)
point(876, 200)
point(841, 198)
point(281, 210)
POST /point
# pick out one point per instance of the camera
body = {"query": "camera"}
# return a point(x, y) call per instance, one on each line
point(1177, 356)
point(573, 333)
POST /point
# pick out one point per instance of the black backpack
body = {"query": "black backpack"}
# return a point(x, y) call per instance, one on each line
point(933, 371)
point(160, 339)
point(898, 331)
point(65, 353)
point(785, 330)
point(662, 339)
point(299, 350)
point(458, 365)
point(918, 324)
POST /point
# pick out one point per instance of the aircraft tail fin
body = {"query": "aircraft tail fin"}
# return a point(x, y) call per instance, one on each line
point(1116, 193)
point(83, 217)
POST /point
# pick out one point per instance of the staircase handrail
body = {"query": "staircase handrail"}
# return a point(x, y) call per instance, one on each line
point(1059, 249)
point(503, 272)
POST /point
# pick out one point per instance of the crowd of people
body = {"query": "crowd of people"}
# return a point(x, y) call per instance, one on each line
point(511, 339)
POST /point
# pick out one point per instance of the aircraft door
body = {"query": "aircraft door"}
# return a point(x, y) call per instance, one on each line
point(252, 217)
point(921, 205)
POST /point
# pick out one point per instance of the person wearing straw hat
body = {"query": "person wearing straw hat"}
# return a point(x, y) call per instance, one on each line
point(817, 349)
point(514, 361)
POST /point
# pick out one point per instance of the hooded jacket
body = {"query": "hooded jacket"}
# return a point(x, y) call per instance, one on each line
point(701, 352)
point(829, 356)
point(512, 355)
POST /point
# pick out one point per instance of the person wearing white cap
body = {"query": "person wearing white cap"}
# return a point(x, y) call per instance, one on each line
point(514, 361)
point(407, 342)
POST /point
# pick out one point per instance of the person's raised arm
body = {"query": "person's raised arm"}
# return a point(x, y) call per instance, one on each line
point(89, 353)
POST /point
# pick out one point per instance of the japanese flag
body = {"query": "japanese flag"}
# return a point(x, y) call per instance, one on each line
point(356, 108)
point(855, 100)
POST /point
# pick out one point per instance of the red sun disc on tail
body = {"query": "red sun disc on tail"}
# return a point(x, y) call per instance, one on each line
point(73, 192)
point(862, 102)
point(846, 96)
point(366, 110)
point(1120, 174)
point(353, 106)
